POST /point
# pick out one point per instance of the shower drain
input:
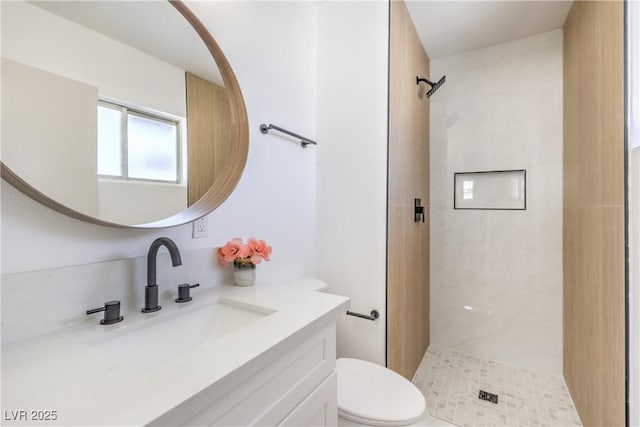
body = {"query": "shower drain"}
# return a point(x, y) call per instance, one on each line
point(489, 397)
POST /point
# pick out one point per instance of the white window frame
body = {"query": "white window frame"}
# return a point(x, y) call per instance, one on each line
point(126, 110)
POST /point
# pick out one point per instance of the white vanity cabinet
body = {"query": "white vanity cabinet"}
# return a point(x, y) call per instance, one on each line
point(293, 385)
point(261, 356)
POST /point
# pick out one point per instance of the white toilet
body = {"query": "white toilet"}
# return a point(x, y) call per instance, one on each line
point(372, 395)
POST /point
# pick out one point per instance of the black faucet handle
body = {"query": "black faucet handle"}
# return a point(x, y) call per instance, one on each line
point(111, 312)
point(184, 292)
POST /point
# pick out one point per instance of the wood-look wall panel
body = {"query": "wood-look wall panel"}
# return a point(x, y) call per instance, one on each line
point(408, 241)
point(612, 102)
point(593, 219)
point(613, 322)
point(208, 132)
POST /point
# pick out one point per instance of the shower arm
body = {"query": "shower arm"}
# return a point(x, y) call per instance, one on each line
point(420, 79)
point(434, 86)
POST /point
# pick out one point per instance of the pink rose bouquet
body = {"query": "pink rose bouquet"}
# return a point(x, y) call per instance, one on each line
point(244, 255)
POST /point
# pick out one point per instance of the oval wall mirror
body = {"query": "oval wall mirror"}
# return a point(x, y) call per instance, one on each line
point(119, 113)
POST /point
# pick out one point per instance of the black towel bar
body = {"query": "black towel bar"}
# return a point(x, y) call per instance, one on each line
point(374, 315)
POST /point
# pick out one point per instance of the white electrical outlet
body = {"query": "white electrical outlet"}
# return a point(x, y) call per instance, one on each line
point(200, 228)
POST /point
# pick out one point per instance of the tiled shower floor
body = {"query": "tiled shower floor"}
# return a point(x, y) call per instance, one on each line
point(450, 382)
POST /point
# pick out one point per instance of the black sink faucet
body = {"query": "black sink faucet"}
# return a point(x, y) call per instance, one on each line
point(151, 290)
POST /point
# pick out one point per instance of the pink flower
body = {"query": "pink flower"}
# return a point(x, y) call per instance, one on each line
point(232, 250)
point(259, 250)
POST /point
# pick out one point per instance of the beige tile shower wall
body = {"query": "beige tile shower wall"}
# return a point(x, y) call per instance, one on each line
point(496, 276)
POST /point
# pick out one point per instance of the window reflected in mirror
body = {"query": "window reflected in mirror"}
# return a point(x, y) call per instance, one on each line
point(136, 145)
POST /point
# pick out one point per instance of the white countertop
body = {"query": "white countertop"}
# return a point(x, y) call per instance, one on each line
point(63, 372)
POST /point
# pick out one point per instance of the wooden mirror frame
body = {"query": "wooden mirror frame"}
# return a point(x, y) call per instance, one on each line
point(224, 183)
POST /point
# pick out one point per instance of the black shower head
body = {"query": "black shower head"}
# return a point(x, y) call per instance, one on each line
point(434, 86)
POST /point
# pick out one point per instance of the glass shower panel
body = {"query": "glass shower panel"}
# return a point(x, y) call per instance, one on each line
point(633, 206)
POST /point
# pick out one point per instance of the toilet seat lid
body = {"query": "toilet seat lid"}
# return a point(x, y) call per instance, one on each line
point(372, 394)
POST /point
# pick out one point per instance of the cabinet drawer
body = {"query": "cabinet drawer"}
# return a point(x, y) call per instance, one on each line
point(320, 408)
point(275, 389)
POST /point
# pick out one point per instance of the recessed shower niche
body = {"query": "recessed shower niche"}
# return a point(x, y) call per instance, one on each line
point(505, 190)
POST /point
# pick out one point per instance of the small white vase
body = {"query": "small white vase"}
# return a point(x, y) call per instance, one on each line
point(244, 274)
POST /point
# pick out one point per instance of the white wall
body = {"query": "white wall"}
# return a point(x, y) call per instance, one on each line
point(39, 38)
point(153, 201)
point(352, 166)
point(57, 146)
point(500, 108)
point(270, 47)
